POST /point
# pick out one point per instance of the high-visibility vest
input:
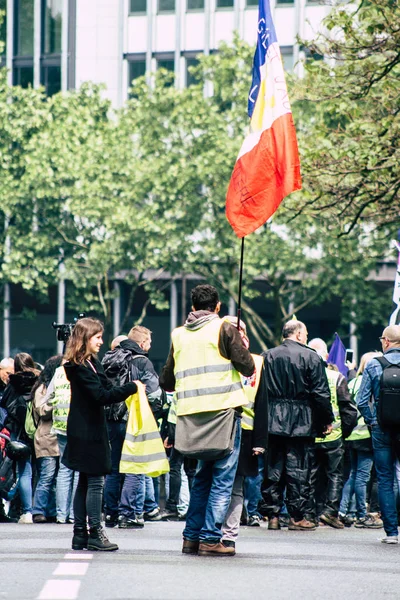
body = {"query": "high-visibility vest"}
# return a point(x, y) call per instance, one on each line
point(61, 401)
point(250, 385)
point(360, 431)
point(336, 432)
point(143, 452)
point(204, 380)
point(172, 410)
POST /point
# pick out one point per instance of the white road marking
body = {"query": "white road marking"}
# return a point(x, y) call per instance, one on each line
point(76, 556)
point(70, 568)
point(60, 589)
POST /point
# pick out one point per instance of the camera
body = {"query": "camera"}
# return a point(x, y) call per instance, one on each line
point(64, 330)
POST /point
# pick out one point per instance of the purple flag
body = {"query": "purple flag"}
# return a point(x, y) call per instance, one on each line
point(337, 355)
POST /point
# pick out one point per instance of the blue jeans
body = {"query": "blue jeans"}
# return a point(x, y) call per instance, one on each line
point(210, 495)
point(385, 470)
point(24, 484)
point(149, 497)
point(45, 494)
point(360, 473)
point(66, 484)
point(114, 481)
point(252, 489)
point(132, 496)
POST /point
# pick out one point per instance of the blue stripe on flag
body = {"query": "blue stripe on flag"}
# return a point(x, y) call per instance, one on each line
point(266, 35)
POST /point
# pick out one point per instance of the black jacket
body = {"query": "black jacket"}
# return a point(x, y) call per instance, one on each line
point(88, 447)
point(128, 362)
point(14, 400)
point(298, 391)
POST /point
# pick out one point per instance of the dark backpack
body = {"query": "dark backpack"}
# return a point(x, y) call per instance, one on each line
point(388, 406)
point(117, 365)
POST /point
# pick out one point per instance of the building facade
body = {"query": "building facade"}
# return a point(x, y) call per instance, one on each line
point(62, 43)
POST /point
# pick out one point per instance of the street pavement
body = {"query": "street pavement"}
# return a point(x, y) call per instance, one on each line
point(36, 562)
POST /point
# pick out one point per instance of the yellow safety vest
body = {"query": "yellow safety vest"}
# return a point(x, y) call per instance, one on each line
point(143, 452)
point(360, 431)
point(204, 380)
point(336, 432)
point(61, 401)
point(172, 411)
point(250, 385)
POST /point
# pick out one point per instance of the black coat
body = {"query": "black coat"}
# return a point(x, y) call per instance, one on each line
point(88, 447)
point(14, 400)
point(298, 391)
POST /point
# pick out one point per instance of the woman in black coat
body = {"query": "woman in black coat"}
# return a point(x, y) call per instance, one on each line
point(88, 446)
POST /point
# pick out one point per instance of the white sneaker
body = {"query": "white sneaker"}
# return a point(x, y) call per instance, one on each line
point(26, 519)
point(390, 539)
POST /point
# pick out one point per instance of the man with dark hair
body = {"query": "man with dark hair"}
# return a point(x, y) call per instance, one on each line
point(299, 410)
point(203, 367)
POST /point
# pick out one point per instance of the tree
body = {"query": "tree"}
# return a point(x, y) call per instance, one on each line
point(348, 105)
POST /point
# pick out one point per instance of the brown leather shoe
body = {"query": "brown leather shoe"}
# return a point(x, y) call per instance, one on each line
point(273, 523)
point(302, 525)
point(216, 550)
point(190, 547)
point(332, 521)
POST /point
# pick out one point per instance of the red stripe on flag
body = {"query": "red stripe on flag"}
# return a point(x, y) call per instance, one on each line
point(264, 176)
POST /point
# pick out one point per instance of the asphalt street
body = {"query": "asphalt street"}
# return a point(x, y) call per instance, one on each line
point(36, 562)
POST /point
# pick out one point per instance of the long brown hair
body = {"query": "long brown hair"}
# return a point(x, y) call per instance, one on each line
point(24, 362)
point(77, 347)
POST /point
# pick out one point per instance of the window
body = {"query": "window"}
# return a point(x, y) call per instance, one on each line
point(251, 2)
point(138, 6)
point(191, 79)
point(224, 3)
point(51, 79)
point(137, 68)
point(166, 6)
point(168, 63)
point(278, 2)
point(23, 76)
point(3, 27)
point(24, 27)
point(195, 4)
point(287, 57)
point(52, 18)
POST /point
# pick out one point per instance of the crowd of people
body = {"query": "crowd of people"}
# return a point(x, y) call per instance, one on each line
point(282, 437)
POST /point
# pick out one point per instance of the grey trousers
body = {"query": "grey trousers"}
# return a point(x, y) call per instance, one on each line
point(230, 528)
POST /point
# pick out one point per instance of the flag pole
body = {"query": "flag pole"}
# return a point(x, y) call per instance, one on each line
point(239, 308)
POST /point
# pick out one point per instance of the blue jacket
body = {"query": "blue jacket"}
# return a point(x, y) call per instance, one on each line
point(370, 386)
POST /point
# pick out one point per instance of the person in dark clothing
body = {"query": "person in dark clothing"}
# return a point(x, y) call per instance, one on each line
point(299, 410)
point(14, 400)
point(125, 501)
point(326, 481)
point(88, 448)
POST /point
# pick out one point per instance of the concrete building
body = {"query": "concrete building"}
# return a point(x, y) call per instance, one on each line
point(62, 43)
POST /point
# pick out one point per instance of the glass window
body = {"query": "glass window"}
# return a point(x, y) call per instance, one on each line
point(137, 68)
point(23, 76)
point(51, 79)
point(166, 63)
point(166, 6)
point(251, 2)
point(52, 26)
point(285, 1)
point(287, 59)
point(191, 79)
point(3, 27)
point(138, 6)
point(224, 3)
point(195, 4)
point(24, 27)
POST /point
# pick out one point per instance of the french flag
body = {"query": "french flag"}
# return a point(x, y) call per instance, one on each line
point(268, 166)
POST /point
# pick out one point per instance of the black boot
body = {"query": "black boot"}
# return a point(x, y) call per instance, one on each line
point(3, 517)
point(80, 539)
point(99, 541)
